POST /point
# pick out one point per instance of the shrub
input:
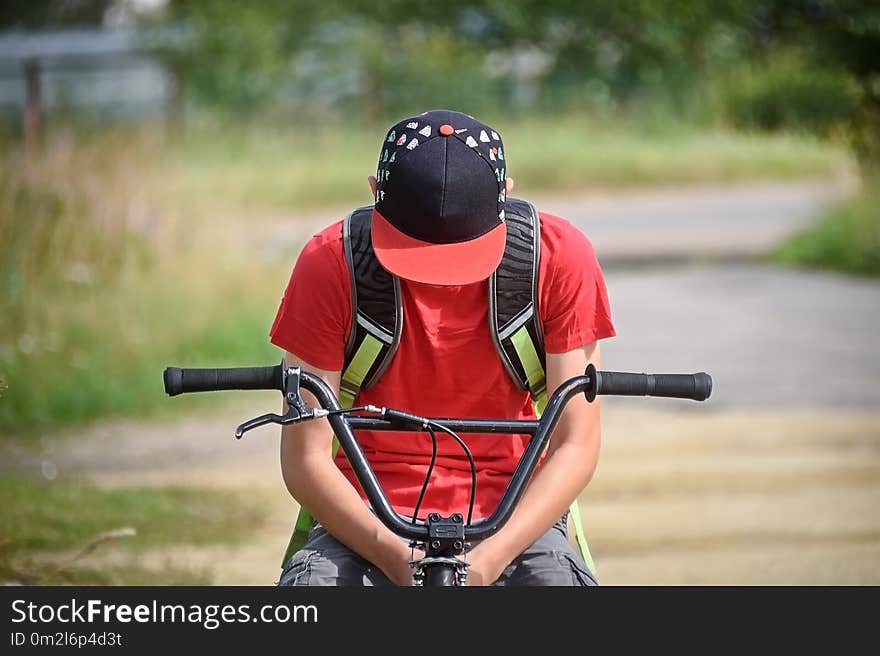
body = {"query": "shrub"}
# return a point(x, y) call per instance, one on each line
point(847, 239)
point(787, 94)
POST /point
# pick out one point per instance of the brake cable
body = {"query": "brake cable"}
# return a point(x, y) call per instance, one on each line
point(470, 458)
point(425, 424)
point(427, 474)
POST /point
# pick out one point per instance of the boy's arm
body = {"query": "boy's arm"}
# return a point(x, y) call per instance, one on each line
point(567, 468)
point(315, 481)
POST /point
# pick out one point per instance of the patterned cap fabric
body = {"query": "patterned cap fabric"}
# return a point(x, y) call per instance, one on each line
point(441, 180)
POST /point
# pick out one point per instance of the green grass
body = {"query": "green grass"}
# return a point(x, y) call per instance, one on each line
point(100, 351)
point(102, 288)
point(305, 167)
point(44, 524)
point(107, 358)
point(571, 156)
point(846, 239)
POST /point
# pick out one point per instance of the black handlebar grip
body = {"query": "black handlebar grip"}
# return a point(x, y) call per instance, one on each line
point(180, 381)
point(678, 386)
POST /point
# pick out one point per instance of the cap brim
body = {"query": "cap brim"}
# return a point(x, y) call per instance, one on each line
point(461, 263)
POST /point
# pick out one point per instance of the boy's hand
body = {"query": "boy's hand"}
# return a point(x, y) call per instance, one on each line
point(484, 568)
point(398, 569)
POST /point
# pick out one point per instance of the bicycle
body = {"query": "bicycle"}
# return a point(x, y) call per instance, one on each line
point(443, 540)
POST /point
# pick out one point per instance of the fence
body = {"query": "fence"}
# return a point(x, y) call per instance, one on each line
point(104, 74)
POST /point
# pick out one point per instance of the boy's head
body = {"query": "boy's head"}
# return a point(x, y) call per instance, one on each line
point(440, 191)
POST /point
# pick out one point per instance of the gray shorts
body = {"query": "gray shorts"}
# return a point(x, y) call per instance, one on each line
point(323, 560)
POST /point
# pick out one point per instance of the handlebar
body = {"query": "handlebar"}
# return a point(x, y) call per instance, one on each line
point(697, 387)
point(592, 383)
point(180, 381)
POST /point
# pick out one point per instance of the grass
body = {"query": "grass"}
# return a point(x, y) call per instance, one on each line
point(298, 168)
point(129, 251)
point(846, 239)
point(106, 354)
point(569, 156)
point(102, 288)
point(45, 524)
point(732, 497)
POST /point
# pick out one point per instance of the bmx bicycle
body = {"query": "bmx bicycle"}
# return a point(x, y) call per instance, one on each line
point(444, 540)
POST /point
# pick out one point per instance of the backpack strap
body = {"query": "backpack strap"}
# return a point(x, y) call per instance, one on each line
point(580, 537)
point(515, 323)
point(376, 309)
point(513, 302)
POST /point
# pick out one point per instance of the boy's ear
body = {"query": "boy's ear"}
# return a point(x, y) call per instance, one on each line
point(509, 185)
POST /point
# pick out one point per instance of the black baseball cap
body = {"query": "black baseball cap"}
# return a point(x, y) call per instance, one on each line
point(439, 211)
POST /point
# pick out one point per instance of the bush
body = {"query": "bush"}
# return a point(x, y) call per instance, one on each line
point(847, 239)
point(787, 94)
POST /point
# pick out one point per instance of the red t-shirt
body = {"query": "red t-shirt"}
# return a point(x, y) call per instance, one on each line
point(446, 364)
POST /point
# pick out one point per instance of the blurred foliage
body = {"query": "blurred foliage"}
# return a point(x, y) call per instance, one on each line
point(22, 14)
point(809, 63)
point(847, 239)
point(379, 59)
point(802, 64)
point(97, 286)
point(844, 34)
point(787, 94)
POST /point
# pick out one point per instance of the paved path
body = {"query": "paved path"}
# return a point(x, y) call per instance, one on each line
point(727, 222)
point(770, 336)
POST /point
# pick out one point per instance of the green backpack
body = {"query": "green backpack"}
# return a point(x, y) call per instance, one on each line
point(378, 323)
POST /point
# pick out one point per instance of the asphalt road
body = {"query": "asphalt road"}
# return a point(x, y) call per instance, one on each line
point(770, 336)
point(728, 222)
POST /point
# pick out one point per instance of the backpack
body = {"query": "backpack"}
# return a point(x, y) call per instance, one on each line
point(377, 313)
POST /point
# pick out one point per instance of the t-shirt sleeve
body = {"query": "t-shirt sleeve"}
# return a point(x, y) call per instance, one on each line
point(574, 300)
point(315, 312)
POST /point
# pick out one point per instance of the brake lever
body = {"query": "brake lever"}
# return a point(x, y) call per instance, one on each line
point(268, 418)
point(292, 417)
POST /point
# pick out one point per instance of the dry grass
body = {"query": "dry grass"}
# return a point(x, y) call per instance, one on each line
point(759, 497)
point(70, 531)
point(104, 283)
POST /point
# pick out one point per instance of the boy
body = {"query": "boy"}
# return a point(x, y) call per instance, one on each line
point(438, 227)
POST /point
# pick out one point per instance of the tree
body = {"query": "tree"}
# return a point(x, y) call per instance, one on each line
point(848, 33)
point(21, 14)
